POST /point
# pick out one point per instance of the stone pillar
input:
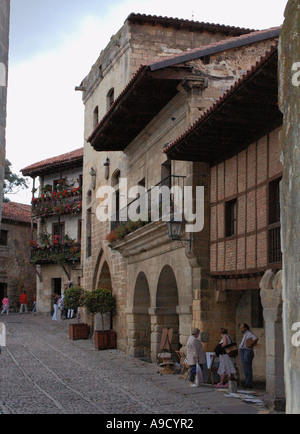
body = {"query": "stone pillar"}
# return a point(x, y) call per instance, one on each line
point(162, 318)
point(289, 66)
point(139, 333)
point(271, 296)
point(4, 42)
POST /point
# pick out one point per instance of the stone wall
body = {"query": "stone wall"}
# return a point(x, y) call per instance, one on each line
point(143, 159)
point(289, 55)
point(4, 39)
point(45, 284)
point(15, 268)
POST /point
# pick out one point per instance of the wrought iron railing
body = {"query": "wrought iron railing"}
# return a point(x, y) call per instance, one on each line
point(59, 253)
point(121, 218)
point(275, 255)
point(48, 206)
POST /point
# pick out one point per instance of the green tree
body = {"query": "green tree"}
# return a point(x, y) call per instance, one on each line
point(13, 183)
point(101, 301)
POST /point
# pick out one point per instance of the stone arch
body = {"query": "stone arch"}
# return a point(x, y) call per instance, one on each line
point(166, 316)
point(104, 280)
point(96, 269)
point(140, 329)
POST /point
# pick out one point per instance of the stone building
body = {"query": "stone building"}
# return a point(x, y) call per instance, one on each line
point(290, 198)
point(56, 206)
point(4, 45)
point(237, 142)
point(133, 108)
point(16, 271)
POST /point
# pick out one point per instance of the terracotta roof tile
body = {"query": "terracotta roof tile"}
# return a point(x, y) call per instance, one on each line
point(16, 212)
point(222, 28)
point(185, 56)
point(217, 47)
point(221, 100)
point(53, 161)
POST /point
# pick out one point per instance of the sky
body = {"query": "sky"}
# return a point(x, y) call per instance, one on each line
point(53, 45)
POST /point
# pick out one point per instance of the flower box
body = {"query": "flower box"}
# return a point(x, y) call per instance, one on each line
point(106, 340)
point(78, 332)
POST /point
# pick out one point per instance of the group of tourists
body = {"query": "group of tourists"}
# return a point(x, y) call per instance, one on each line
point(60, 311)
point(23, 300)
point(227, 352)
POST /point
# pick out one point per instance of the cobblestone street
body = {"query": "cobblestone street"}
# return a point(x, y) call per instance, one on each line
point(43, 372)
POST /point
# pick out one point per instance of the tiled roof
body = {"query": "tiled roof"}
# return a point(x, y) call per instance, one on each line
point(16, 212)
point(168, 149)
point(191, 24)
point(53, 162)
point(217, 47)
point(189, 55)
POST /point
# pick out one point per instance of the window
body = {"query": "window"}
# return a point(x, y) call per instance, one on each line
point(80, 180)
point(89, 233)
point(96, 117)
point(115, 179)
point(257, 317)
point(166, 173)
point(274, 201)
point(110, 98)
point(79, 230)
point(101, 71)
point(275, 255)
point(58, 229)
point(231, 218)
point(4, 238)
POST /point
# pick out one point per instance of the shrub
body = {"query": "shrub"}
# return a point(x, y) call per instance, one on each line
point(101, 301)
point(74, 298)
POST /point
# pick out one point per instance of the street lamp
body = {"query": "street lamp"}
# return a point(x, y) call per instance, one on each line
point(175, 230)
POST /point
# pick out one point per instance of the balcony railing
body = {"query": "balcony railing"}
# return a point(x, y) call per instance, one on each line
point(56, 254)
point(121, 220)
point(57, 203)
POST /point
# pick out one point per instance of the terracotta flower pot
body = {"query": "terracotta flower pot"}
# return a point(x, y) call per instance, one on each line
point(79, 331)
point(106, 340)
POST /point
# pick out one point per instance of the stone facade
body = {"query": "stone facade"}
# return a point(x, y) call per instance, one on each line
point(16, 272)
point(4, 43)
point(290, 199)
point(158, 283)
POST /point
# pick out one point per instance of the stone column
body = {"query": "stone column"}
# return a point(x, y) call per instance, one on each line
point(271, 296)
point(139, 333)
point(289, 67)
point(4, 42)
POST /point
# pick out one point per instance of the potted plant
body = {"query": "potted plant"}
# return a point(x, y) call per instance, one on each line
point(74, 299)
point(102, 301)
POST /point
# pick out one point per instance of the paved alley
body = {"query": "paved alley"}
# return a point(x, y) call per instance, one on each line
point(43, 372)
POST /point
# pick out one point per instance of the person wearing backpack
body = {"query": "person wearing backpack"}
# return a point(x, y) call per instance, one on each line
point(226, 367)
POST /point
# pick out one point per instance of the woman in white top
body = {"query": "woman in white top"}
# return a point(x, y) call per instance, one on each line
point(226, 368)
point(195, 354)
